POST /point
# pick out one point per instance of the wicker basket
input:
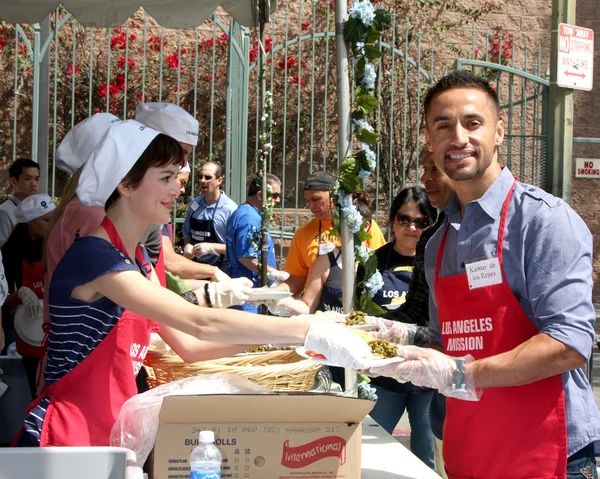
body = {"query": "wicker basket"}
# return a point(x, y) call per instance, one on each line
point(277, 370)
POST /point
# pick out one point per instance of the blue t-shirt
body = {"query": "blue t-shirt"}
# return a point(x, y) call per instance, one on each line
point(199, 210)
point(76, 327)
point(242, 225)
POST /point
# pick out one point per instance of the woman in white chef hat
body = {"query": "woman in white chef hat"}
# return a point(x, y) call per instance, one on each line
point(21, 257)
point(99, 332)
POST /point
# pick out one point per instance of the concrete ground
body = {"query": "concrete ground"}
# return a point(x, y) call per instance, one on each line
point(402, 431)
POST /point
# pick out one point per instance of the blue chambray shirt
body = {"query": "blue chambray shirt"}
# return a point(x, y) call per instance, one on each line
point(547, 262)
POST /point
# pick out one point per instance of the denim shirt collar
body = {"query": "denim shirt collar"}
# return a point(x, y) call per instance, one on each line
point(491, 202)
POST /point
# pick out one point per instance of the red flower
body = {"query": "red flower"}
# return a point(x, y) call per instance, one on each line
point(113, 90)
point(120, 81)
point(207, 78)
point(154, 43)
point(139, 97)
point(130, 61)
point(225, 37)
point(207, 43)
point(305, 25)
point(97, 110)
point(132, 37)
point(183, 51)
point(268, 45)
point(72, 70)
point(297, 80)
point(176, 89)
point(291, 61)
point(119, 41)
point(173, 60)
point(253, 54)
point(2, 42)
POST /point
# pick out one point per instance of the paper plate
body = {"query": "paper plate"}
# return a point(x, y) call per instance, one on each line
point(269, 295)
point(363, 327)
point(302, 351)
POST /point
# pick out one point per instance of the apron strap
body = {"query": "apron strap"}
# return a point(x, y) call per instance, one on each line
point(117, 242)
point(440, 254)
point(502, 228)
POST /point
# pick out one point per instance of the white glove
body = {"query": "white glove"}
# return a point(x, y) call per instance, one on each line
point(277, 277)
point(338, 344)
point(233, 292)
point(431, 368)
point(188, 251)
point(203, 249)
point(30, 302)
point(288, 307)
point(392, 331)
point(220, 276)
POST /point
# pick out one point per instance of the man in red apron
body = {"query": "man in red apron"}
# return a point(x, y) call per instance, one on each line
point(510, 276)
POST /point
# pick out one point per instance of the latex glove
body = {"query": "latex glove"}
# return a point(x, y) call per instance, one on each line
point(338, 344)
point(188, 251)
point(30, 302)
point(220, 276)
point(392, 331)
point(431, 368)
point(229, 293)
point(288, 307)
point(203, 249)
point(277, 277)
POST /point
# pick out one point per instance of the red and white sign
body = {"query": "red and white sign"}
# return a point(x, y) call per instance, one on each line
point(587, 168)
point(306, 454)
point(575, 57)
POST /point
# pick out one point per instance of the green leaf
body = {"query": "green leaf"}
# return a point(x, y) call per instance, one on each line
point(367, 136)
point(361, 157)
point(383, 20)
point(372, 52)
point(373, 309)
point(367, 102)
point(361, 236)
point(374, 35)
point(355, 31)
point(360, 67)
point(349, 181)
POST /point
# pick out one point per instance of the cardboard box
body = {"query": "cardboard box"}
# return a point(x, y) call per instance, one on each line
point(278, 436)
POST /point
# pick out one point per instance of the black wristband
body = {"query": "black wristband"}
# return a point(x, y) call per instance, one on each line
point(190, 297)
point(207, 296)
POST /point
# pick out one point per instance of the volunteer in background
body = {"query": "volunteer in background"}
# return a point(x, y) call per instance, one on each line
point(410, 214)
point(99, 332)
point(242, 251)
point(22, 260)
point(510, 277)
point(24, 175)
point(313, 239)
point(3, 294)
point(174, 121)
point(204, 230)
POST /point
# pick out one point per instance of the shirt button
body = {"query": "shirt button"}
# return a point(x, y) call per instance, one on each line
point(127, 261)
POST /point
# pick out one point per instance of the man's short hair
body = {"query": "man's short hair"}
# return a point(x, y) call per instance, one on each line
point(218, 168)
point(15, 170)
point(256, 183)
point(461, 79)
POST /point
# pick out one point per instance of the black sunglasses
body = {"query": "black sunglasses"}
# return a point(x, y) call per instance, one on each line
point(405, 220)
point(206, 177)
point(276, 196)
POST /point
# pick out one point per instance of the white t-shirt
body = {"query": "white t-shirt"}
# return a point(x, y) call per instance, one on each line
point(7, 217)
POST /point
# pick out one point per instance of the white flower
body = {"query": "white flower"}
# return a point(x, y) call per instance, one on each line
point(363, 252)
point(268, 146)
point(362, 125)
point(371, 156)
point(362, 174)
point(373, 284)
point(343, 199)
point(369, 77)
point(354, 219)
point(364, 11)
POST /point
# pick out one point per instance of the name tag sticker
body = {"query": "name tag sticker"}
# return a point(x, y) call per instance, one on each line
point(483, 273)
point(325, 248)
point(194, 206)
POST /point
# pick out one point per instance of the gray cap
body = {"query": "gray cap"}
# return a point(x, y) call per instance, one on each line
point(319, 180)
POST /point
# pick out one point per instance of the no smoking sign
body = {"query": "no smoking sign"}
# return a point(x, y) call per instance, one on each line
point(575, 57)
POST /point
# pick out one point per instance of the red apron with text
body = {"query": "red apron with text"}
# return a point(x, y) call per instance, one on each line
point(86, 402)
point(32, 278)
point(511, 432)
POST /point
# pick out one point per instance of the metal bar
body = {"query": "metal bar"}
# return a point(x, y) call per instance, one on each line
point(36, 93)
point(326, 90)
point(212, 90)
point(160, 64)
point(108, 71)
point(144, 35)
point(55, 102)
point(378, 145)
point(593, 141)
point(460, 62)
point(178, 66)
point(391, 119)
point(15, 95)
point(192, 161)
point(405, 104)
point(44, 102)
point(90, 71)
point(312, 87)
point(126, 73)
point(418, 136)
point(73, 74)
point(523, 155)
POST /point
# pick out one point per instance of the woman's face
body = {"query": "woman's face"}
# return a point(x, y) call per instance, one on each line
point(38, 228)
point(153, 199)
point(409, 223)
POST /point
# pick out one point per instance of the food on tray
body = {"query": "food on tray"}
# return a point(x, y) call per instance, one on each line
point(380, 348)
point(356, 318)
point(260, 349)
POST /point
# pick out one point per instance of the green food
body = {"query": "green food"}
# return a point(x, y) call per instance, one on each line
point(383, 348)
point(356, 318)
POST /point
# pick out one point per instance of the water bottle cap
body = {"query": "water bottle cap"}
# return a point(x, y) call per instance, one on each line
point(207, 436)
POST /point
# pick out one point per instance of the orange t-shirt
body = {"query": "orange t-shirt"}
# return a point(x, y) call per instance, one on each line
point(307, 240)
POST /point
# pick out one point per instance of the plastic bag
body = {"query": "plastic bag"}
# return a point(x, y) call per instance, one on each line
point(136, 427)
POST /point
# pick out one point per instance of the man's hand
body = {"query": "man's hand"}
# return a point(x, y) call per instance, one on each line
point(203, 249)
point(277, 276)
point(188, 251)
point(392, 331)
point(431, 368)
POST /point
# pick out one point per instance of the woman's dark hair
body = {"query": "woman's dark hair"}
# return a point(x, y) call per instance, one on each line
point(362, 203)
point(417, 195)
point(161, 151)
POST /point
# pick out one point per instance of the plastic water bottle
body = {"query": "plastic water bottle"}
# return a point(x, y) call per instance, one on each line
point(205, 460)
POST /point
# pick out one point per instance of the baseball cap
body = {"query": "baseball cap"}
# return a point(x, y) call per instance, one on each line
point(319, 180)
point(33, 207)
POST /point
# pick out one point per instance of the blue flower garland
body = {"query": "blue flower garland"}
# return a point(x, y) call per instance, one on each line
point(361, 31)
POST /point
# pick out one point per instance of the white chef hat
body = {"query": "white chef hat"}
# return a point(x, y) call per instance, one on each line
point(33, 207)
point(169, 119)
point(112, 158)
point(185, 168)
point(79, 142)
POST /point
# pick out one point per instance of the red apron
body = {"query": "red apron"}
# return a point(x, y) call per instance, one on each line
point(86, 401)
point(512, 432)
point(32, 278)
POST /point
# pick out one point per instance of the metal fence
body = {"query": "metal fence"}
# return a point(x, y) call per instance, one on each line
point(212, 72)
